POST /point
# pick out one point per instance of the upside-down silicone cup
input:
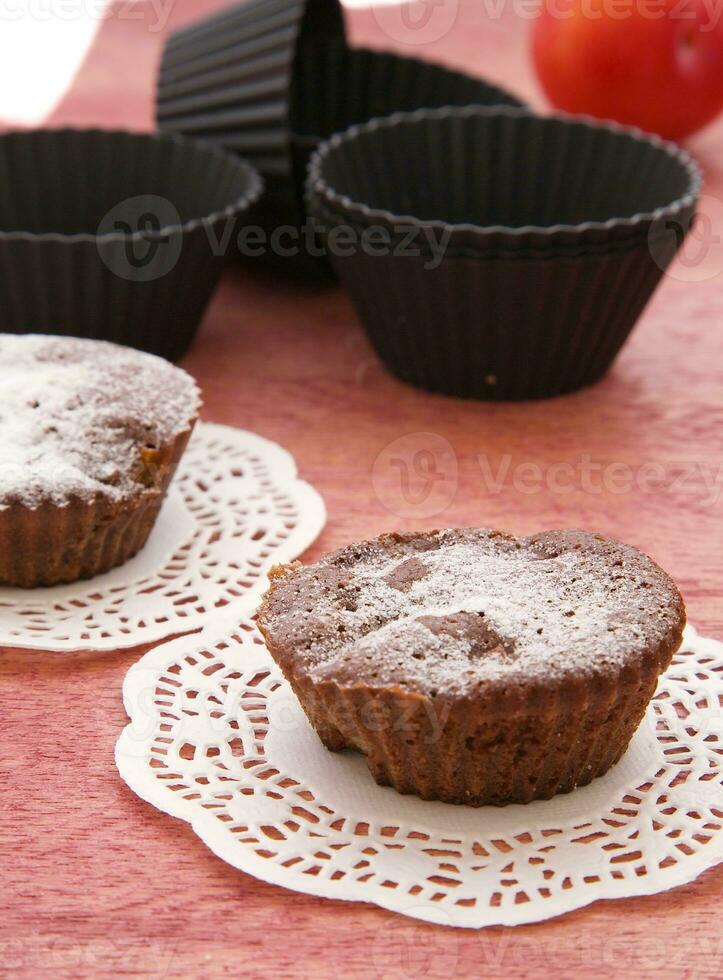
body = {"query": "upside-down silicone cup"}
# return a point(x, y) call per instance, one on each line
point(230, 79)
point(270, 79)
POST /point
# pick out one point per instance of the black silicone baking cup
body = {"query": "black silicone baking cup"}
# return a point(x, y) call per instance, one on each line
point(271, 79)
point(229, 78)
point(550, 236)
point(114, 235)
point(337, 86)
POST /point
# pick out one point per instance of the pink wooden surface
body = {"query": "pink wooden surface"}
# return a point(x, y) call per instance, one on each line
point(97, 883)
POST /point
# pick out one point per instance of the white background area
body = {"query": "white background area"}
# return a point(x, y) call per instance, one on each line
point(42, 46)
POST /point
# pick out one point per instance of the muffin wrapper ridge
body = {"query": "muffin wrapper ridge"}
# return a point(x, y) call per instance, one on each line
point(51, 545)
point(575, 175)
point(500, 328)
point(457, 751)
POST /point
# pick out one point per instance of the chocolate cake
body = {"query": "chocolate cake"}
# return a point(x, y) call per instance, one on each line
point(475, 667)
point(90, 436)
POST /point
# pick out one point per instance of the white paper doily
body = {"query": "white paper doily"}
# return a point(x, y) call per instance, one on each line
point(218, 739)
point(234, 509)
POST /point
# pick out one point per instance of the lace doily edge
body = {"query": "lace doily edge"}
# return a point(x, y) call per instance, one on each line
point(302, 537)
point(525, 914)
point(145, 785)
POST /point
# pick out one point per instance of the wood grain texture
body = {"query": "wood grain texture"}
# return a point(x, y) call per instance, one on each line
point(97, 883)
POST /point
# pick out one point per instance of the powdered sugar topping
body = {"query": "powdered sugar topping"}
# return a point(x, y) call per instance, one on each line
point(476, 605)
point(74, 415)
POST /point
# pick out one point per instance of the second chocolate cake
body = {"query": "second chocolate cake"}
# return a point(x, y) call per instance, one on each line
point(474, 667)
point(90, 437)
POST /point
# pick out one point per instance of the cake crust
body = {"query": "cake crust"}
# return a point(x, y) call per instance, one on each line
point(473, 666)
point(90, 437)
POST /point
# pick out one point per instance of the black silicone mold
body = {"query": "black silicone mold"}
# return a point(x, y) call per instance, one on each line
point(115, 235)
point(270, 79)
point(230, 79)
point(543, 229)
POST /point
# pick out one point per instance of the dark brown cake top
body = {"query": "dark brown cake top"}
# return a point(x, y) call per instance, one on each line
point(74, 414)
point(443, 611)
